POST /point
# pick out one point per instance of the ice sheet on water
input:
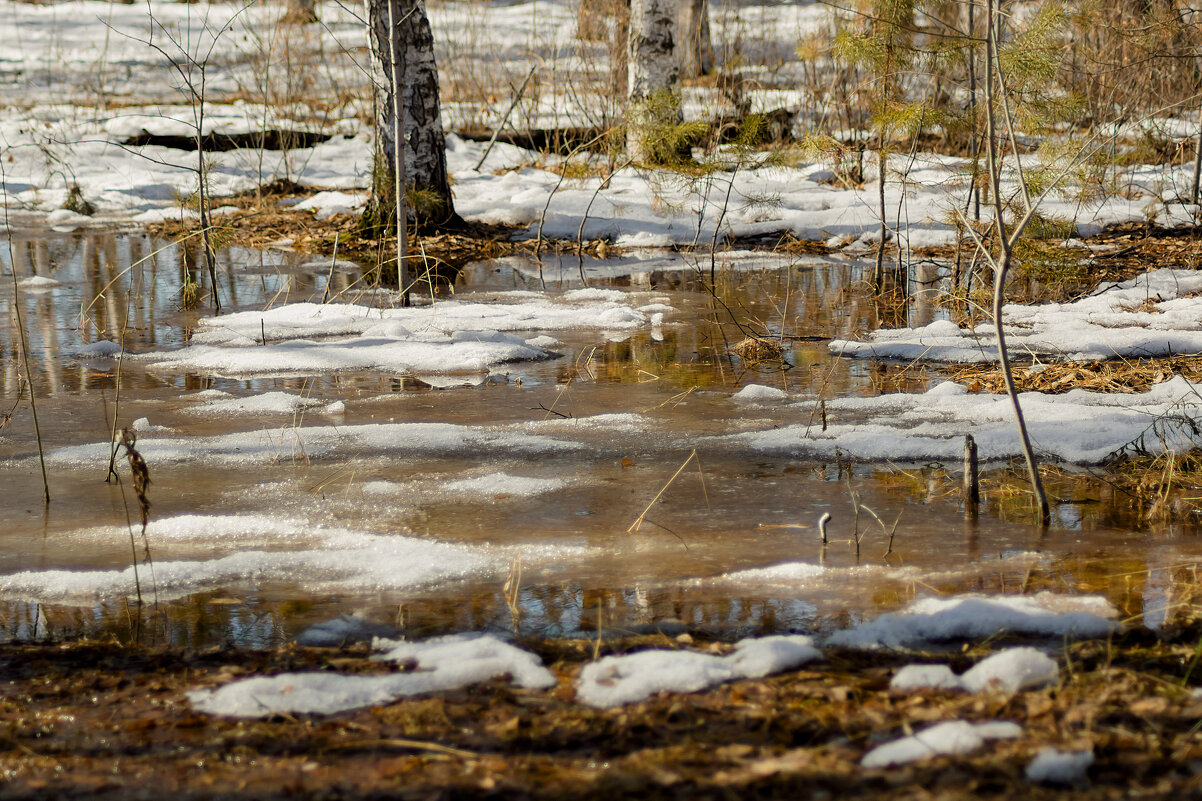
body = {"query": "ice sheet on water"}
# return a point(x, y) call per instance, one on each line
point(450, 336)
point(949, 738)
point(275, 402)
point(504, 484)
point(1149, 315)
point(631, 678)
point(1079, 426)
point(270, 445)
point(974, 617)
point(438, 665)
point(248, 548)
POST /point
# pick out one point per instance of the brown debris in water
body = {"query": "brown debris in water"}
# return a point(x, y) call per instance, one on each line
point(105, 721)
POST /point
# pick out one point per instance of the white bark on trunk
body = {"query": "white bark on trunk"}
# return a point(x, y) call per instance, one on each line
point(653, 74)
point(425, 154)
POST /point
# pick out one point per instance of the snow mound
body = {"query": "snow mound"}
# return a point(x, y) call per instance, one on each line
point(950, 738)
point(1008, 671)
point(974, 617)
point(620, 680)
point(1052, 766)
point(438, 665)
point(1012, 670)
point(758, 393)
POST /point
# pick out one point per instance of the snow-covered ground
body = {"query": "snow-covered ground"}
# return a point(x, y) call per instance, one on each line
point(57, 130)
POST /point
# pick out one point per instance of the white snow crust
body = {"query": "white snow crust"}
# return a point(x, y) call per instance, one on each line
point(1079, 426)
point(450, 336)
point(950, 738)
point(973, 617)
point(495, 484)
point(250, 548)
point(1154, 314)
point(1008, 671)
point(436, 665)
point(1052, 766)
point(631, 678)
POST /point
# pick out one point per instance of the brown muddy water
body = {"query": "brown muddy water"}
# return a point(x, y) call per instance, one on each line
point(725, 512)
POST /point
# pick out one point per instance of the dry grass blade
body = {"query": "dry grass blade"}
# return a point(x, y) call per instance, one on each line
point(638, 521)
point(402, 742)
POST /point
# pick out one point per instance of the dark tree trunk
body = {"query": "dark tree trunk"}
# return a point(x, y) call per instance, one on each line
point(427, 188)
point(299, 12)
point(695, 50)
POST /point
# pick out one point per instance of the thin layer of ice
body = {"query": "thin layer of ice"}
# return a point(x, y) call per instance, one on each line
point(253, 548)
point(495, 484)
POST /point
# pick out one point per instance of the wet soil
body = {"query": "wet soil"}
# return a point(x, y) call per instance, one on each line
point(103, 720)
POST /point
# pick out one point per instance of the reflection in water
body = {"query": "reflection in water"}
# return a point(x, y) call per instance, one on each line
point(737, 512)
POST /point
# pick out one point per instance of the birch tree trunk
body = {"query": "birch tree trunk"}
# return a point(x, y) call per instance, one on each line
point(653, 76)
point(696, 50)
point(427, 188)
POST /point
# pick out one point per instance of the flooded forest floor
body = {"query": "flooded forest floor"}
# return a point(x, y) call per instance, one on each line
point(102, 720)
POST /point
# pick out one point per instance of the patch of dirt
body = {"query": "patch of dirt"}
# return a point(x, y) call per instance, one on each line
point(105, 721)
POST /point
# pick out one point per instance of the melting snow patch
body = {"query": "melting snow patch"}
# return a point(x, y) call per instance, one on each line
point(972, 617)
point(38, 283)
point(438, 665)
point(758, 393)
point(1008, 671)
point(313, 557)
point(265, 403)
point(450, 336)
point(787, 573)
point(1149, 315)
point(619, 680)
point(950, 738)
point(1012, 670)
point(1079, 426)
point(504, 484)
point(1059, 767)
